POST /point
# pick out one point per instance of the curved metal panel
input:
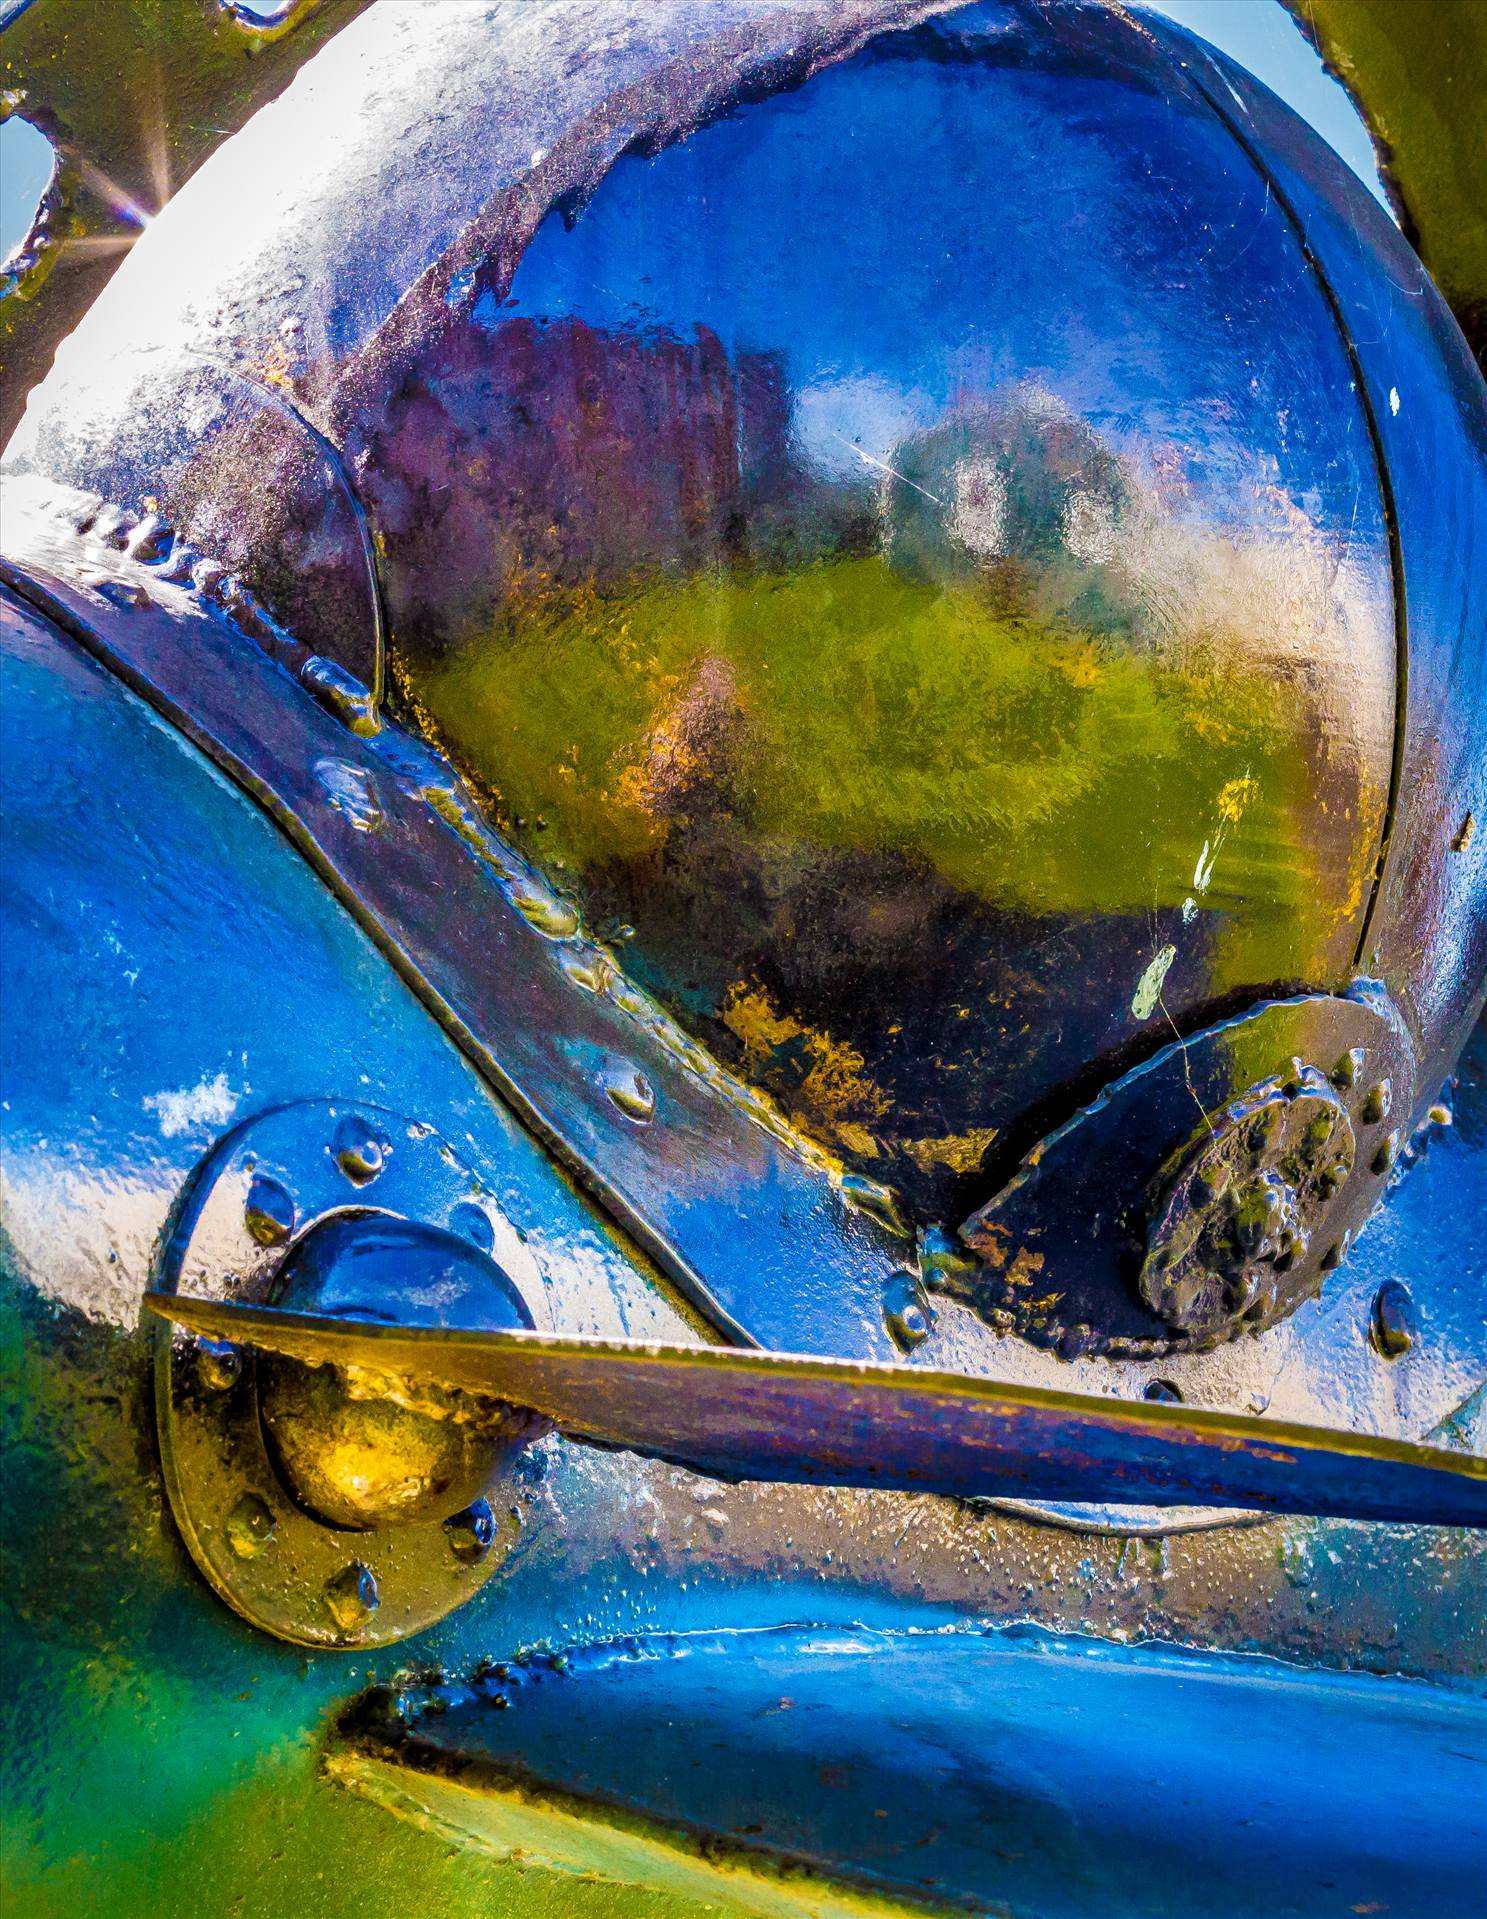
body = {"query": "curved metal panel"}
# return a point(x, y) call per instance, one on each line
point(1427, 933)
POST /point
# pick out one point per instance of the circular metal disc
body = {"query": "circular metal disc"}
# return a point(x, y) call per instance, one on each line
point(285, 1571)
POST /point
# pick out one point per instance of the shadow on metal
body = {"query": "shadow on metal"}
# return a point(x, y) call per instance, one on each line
point(1007, 1772)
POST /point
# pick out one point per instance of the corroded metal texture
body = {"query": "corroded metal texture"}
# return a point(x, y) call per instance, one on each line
point(772, 1242)
point(1207, 1192)
point(945, 708)
point(943, 545)
point(1427, 930)
point(154, 1738)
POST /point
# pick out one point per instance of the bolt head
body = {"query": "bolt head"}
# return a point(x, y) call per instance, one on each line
point(249, 1526)
point(631, 1091)
point(471, 1533)
point(268, 1212)
point(1376, 1105)
point(218, 1365)
point(1393, 1326)
point(908, 1325)
point(360, 1150)
point(352, 1597)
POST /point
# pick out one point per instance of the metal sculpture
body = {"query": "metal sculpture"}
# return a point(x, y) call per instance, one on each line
point(714, 731)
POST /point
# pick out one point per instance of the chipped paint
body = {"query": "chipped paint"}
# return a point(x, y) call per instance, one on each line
point(957, 1152)
point(212, 1103)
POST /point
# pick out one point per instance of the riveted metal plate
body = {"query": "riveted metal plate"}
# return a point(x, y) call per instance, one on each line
point(1207, 1193)
point(261, 1191)
point(758, 1227)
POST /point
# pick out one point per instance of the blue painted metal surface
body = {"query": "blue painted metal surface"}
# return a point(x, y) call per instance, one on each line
point(1183, 275)
point(998, 697)
point(1006, 1772)
point(156, 1739)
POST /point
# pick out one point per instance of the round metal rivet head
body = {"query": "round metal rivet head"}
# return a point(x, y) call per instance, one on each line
point(632, 1093)
point(473, 1223)
point(1345, 1072)
point(471, 1533)
point(360, 1151)
point(150, 539)
point(249, 1526)
point(352, 1597)
point(1162, 1391)
point(349, 791)
point(908, 1326)
point(268, 1212)
point(551, 916)
point(1376, 1105)
point(1385, 1157)
point(124, 592)
point(588, 967)
point(218, 1365)
point(1393, 1327)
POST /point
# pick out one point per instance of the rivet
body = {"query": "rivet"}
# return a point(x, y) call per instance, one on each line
point(1440, 1114)
point(589, 967)
point(1384, 1158)
point(268, 1212)
point(218, 1365)
point(473, 1223)
point(207, 576)
point(249, 1526)
point(342, 695)
point(1376, 1106)
point(360, 1152)
point(352, 1597)
point(124, 592)
point(1392, 1326)
point(632, 1092)
point(908, 1326)
point(551, 916)
point(877, 1201)
point(1332, 1258)
point(177, 568)
point(115, 525)
point(350, 791)
point(1162, 1391)
point(471, 1533)
point(1345, 1072)
point(1331, 1177)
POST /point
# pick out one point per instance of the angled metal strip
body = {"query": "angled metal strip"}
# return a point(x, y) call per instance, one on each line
point(762, 1233)
point(832, 1422)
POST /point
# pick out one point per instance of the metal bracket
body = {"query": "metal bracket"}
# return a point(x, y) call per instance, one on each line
point(258, 1195)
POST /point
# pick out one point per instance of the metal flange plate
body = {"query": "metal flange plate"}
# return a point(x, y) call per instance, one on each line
point(252, 1201)
point(1205, 1194)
